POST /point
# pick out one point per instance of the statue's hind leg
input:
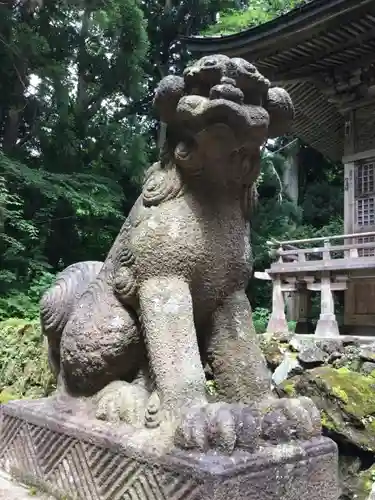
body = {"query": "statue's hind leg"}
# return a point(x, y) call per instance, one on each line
point(58, 302)
point(103, 358)
point(94, 345)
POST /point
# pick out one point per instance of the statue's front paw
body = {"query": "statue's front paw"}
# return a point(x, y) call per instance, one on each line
point(288, 419)
point(121, 402)
point(218, 426)
point(224, 427)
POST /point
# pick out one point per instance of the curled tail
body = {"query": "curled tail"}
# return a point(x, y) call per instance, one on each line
point(58, 303)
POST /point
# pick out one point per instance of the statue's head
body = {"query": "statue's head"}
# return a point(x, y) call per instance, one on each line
point(218, 108)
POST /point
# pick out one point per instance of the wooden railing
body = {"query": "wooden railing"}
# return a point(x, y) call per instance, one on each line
point(301, 268)
point(301, 255)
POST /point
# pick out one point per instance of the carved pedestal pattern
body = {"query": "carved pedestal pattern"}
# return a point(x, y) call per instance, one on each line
point(73, 458)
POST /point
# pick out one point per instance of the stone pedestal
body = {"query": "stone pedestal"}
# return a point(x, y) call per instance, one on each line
point(73, 458)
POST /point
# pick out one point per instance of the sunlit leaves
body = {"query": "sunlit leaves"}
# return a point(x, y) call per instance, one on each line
point(255, 13)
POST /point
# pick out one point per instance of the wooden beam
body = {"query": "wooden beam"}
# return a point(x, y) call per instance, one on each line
point(333, 248)
point(363, 155)
point(335, 287)
point(284, 32)
point(323, 265)
point(303, 70)
point(262, 276)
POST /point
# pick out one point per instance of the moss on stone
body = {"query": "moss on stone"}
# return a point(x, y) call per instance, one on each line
point(340, 394)
point(343, 370)
point(356, 392)
point(364, 485)
point(327, 422)
point(346, 400)
point(289, 388)
point(273, 352)
point(24, 369)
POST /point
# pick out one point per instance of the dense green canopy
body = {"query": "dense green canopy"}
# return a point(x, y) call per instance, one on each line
point(77, 131)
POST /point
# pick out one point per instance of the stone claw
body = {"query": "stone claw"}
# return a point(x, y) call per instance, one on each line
point(218, 426)
point(121, 402)
point(191, 433)
point(286, 419)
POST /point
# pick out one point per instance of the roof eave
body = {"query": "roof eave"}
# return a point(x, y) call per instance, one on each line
point(315, 15)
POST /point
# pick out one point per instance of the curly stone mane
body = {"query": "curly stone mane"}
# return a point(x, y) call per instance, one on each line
point(214, 90)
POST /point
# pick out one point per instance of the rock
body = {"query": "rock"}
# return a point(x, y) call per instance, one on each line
point(334, 356)
point(350, 359)
point(355, 483)
point(352, 341)
point(283, 337)
point(331, 346)
point(289, 367)
point(368, 368)
point(367, 353)
point(372, 493)
point(364, 487)
point(346, 400)
point(344, 392)
point(273, 351)
point(297, 343)
point(312, 356)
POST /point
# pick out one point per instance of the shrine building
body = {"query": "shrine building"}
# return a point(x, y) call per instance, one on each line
point(323, 53)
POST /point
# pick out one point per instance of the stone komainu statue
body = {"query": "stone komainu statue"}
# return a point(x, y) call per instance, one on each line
point(128, 338)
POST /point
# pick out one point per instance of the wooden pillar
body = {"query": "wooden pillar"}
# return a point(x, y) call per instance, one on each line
point(304, 302)
point(277, 322)
point(349, 202)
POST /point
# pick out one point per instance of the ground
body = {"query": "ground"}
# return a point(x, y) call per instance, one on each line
point(9, 490)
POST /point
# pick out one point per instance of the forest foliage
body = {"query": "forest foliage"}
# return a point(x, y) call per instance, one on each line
point(77, 131)
point(250, 14)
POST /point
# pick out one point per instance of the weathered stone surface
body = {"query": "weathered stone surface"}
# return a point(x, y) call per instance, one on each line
point(346, 401)
point(334, 357)
point(10, 490)
point(312, 356)
point(364, 488)
point(331, 346)
point(368, 368)
point(129, 338)
point(347, 340)
point(367, 353)
point(273, 351)
point(90, 460)
point(350, 358)
point(344, 391)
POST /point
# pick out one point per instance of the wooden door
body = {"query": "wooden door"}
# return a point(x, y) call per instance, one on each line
point(360, 296)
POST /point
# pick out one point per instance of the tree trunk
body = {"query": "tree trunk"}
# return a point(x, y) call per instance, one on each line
point(82, 95)
point(12, 114)
point(168, 5)
point(290, 175)
point(290, 182)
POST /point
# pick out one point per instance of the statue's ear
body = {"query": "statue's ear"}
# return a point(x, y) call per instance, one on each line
point(281, 111)
point(167, 95)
